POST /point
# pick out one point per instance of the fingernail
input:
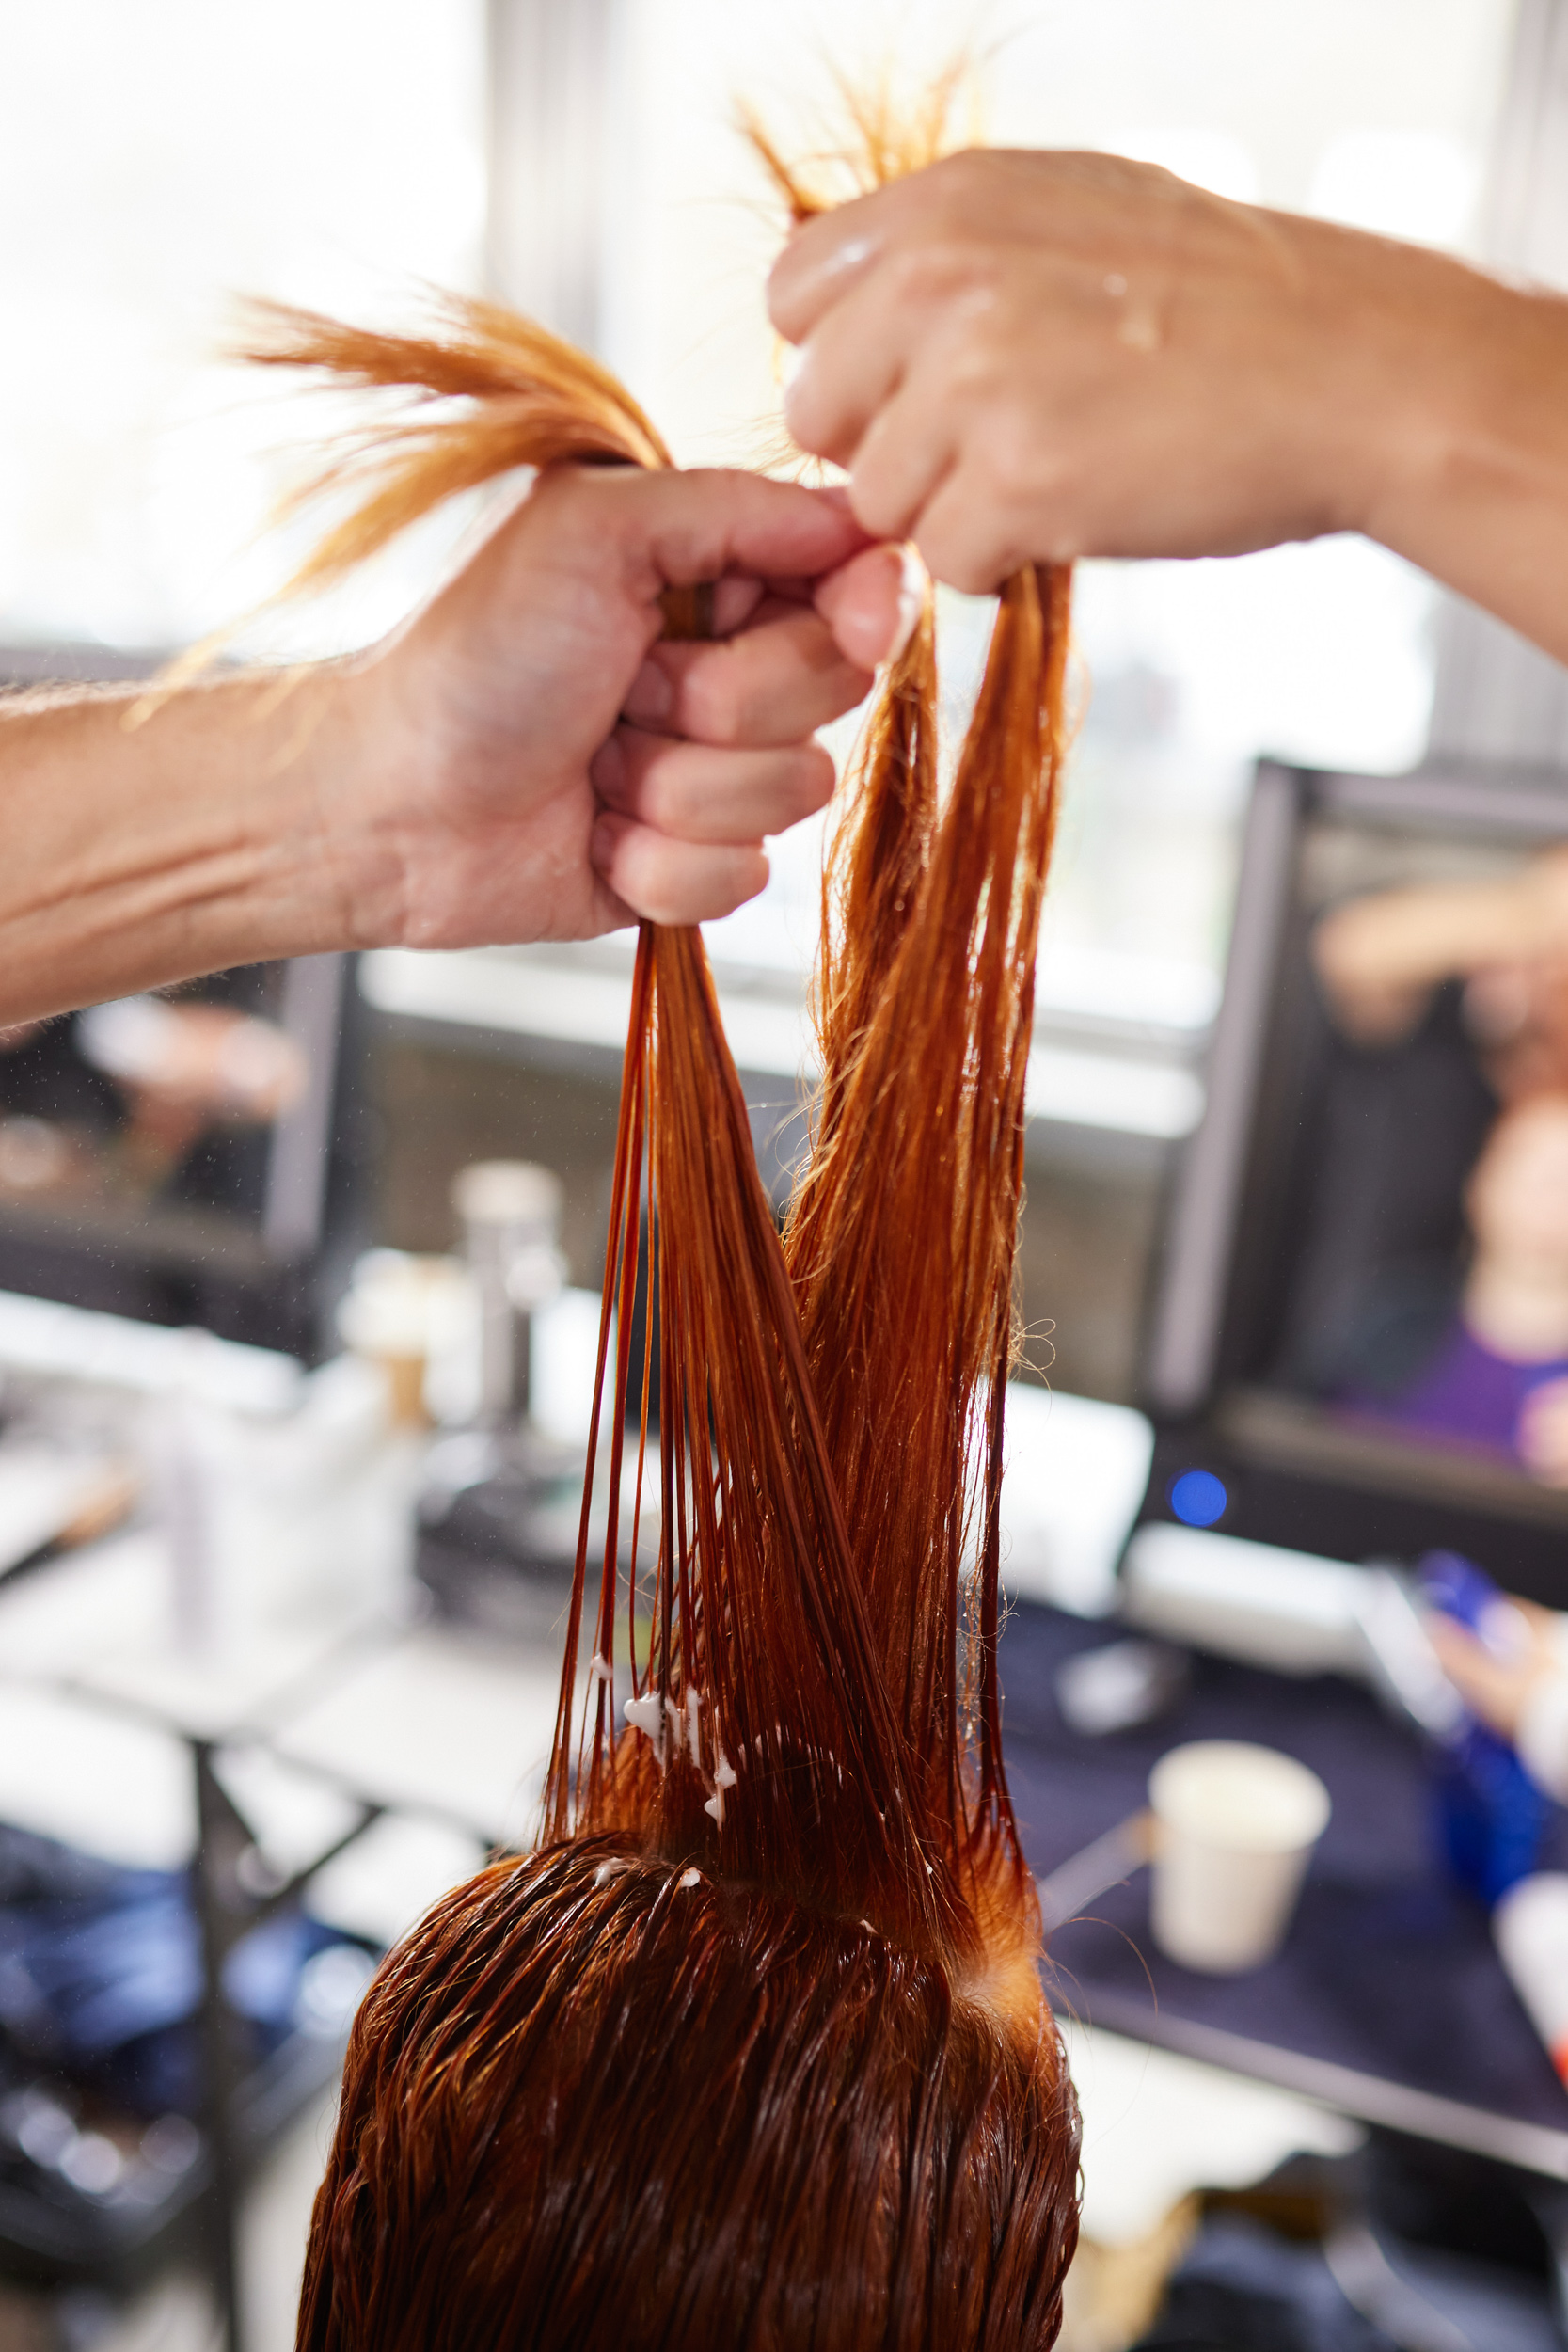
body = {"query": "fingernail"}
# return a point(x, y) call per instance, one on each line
point(651, 695)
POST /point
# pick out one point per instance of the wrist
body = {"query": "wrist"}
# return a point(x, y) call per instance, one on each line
point(1470, 476)
point(1395, 328)
point(300, 764)
point(359, 806)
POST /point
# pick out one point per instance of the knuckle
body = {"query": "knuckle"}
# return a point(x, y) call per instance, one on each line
point(879, 500)
point(569, 488)
point(924, 271)
point(1016, 466)
point(981, 363)
point(969, 171)
point(659, 797)
point(685, 785)
point(958, 186)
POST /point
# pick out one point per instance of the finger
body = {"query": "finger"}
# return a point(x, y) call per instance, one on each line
point(873, 602)
point(855, 355)
point(973, 539)
point(773, 684)
point(829, 255)
point(736, 599)
point(907, 451)
point(1452, 1641)
point(674, 881)
point(1494, 1690)
point(700, 526)
point(973, 188)
point(695, 794)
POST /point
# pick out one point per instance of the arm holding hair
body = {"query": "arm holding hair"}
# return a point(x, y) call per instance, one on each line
point(1033, 355)
point(523, 760)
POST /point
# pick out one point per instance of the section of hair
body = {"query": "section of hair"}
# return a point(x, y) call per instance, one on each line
point(820, 1708)
point(598, 2100)
point(884, 133)
point(489, 392)
point(752, 2053)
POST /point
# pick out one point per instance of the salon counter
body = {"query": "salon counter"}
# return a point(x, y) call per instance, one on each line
point(1388, 2001)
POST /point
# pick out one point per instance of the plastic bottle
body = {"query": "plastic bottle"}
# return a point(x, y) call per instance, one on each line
point(1491, 1815)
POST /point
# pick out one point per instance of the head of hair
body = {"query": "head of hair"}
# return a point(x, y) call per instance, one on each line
point(752, 2052)
point(599, 2097)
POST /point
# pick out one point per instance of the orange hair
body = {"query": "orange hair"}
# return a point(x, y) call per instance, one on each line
point(752, 2052)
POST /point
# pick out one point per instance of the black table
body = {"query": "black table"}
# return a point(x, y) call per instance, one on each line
point(1389, 2000)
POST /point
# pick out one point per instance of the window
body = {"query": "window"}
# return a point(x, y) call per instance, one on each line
point(156, 162)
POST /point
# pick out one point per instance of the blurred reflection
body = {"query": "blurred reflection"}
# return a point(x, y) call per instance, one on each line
point(148, 1101)
point(1473, 1349)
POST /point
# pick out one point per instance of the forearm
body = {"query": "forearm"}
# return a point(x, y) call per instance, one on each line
point(521, 761)
point(1467, 472)
point(1396, 942)
point(136, 854)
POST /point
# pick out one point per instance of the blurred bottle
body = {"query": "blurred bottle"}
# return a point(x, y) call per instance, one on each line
point(500, 1513)
point(510, 1213)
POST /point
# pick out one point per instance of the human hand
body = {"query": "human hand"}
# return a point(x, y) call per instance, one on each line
point(1380, 956)
point(540, 765)
point(1497, 1679)
point(209, 1061)
point(1543, 1433)
point(1030, 357)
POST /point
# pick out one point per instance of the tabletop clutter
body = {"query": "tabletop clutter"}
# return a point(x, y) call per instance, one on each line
point(342, 1586)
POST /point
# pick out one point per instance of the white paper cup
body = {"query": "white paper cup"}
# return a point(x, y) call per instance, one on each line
point(1235, 1826)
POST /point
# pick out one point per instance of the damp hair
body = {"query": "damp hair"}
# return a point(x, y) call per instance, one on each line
point(752, 2052)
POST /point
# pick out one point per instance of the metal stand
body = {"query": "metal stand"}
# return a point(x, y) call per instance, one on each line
point(235, 1889)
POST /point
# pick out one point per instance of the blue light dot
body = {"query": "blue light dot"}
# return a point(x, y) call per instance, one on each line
point(1198, 1498)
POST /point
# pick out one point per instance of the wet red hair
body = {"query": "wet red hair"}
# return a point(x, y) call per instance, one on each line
point(751, 2053)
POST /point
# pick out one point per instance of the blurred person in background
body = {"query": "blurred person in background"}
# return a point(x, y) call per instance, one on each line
point(146, 1098)
point(1476, 1351)
point(1516, 1680)
point(1487, 1368)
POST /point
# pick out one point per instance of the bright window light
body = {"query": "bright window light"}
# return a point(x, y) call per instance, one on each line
point(1421, 185)
point(1320, 653)
point(155, 163)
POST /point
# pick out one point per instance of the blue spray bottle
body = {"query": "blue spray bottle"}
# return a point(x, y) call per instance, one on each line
point(1491, 1815)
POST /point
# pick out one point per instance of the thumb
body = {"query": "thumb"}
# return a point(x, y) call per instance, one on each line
point(872, 603)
